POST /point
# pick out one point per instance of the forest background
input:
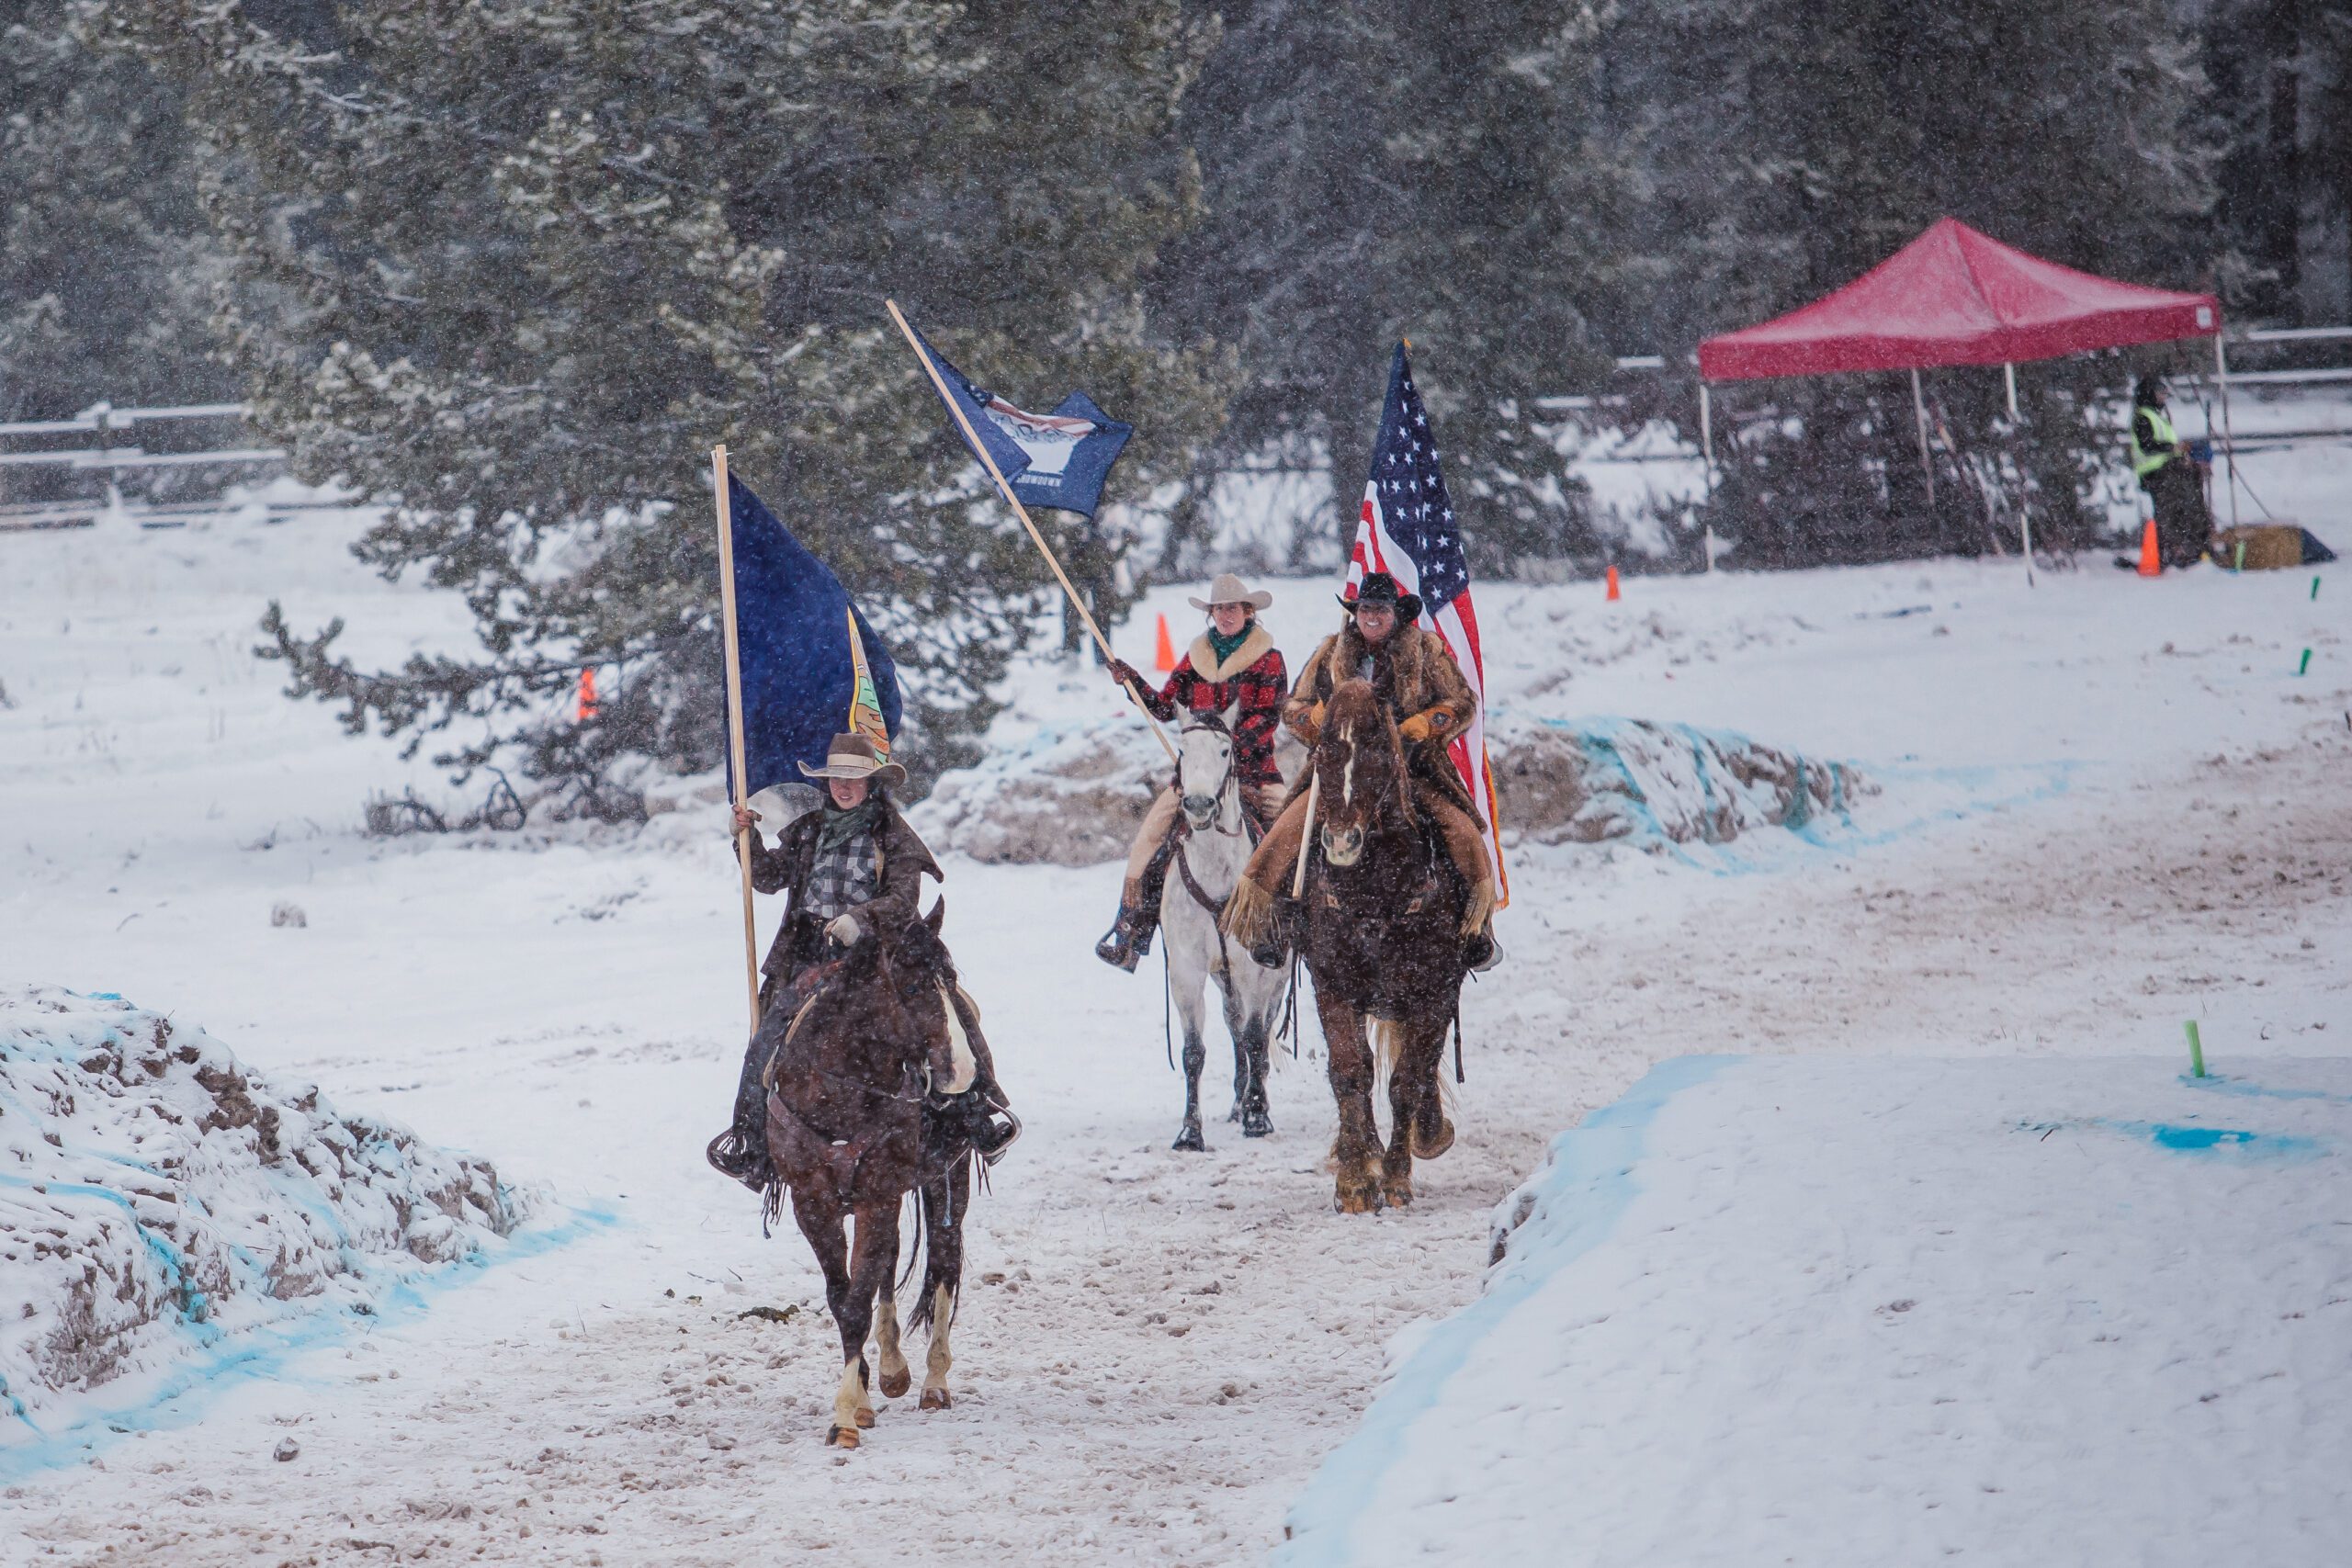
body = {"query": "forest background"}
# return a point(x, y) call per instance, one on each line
point(508, 268)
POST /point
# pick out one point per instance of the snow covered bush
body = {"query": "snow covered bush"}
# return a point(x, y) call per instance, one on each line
point(158, 1196)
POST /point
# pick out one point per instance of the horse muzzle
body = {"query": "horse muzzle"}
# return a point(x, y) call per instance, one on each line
point(1199, 810)
point(1342, 847)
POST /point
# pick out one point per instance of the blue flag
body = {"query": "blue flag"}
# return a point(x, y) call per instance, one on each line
point(801, 678)
point(1057, 459)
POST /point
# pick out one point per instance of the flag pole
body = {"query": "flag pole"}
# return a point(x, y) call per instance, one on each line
point(741, 795)
point(972, 437)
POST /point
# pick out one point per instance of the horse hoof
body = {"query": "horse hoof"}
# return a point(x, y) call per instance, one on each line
point(865, 1420)
point(1234, 1114)
point(1257, 1124)
point(1427, 1147)
point(840, 1437)
point(1357, 1200)
point(1189, 1139)
point(895, 1385)
point(1397, 1192)
point(936, 1399)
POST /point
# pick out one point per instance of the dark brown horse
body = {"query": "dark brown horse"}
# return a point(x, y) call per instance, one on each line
point(1382, 938)
point(849, 1137)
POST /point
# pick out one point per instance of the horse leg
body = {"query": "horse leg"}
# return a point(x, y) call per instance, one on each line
point(945, 1196)
point(875, 1253)
point(1432, 1129)
point(1187, 984)
point(1404, 1089)
point(1355, 1148)
point(1249, 1050)
point(821, 1223)
point(890, 1361)
point(1235, 1029)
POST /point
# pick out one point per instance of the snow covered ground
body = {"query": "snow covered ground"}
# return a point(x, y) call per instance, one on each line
point(2042, 1310)
point(2106, 805)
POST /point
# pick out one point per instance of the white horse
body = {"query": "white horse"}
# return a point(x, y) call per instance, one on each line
point(1213, 845)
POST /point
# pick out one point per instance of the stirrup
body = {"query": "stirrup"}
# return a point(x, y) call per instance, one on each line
point(1481, 951)
point(733, 1154)
point(1117, 949)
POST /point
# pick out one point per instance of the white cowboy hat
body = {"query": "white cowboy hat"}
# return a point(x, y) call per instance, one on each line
point(853, 757)
point(1229, 589)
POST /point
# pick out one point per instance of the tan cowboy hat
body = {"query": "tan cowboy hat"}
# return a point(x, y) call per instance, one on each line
point(853, 757)
point(1229, 589)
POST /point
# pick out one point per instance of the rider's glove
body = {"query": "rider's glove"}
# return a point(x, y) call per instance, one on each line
point(1423, 725)
point(843, 929)
point(1309, 725)
point(1125, 673)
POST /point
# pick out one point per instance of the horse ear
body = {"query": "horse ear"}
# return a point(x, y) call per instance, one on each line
point(938, 914)
point(1232, 717)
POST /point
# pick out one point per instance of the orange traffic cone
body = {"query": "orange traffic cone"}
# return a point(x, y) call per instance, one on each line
point(2151, 563)
point(1612, 585)
point(587, 694)
point(1163, 656)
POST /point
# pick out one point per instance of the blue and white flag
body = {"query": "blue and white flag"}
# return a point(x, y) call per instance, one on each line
point(1057, 459)
point(804, 682)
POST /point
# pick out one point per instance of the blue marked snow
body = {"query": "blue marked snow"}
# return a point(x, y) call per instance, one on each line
point(1910, 1306)
point(1584, 1185)
point(169, 1216)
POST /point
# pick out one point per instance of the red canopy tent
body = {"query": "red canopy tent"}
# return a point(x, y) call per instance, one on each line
point(1956, 297)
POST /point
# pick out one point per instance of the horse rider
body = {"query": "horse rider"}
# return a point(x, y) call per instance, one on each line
point(1234, 663)
point(1414, 675)
point(2168, 470)
point(851, 868)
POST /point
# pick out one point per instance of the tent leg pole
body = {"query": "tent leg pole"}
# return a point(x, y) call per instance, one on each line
point(1926, 463)
point(2229, 440)
point(2010, 374)
point(1707, 444)
point(2024, 539)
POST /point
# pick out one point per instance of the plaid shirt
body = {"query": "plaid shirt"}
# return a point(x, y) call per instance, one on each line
point(1260, 691)
point(841, 878)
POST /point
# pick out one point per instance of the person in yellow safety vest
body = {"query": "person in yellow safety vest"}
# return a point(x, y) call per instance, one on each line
point(2174, 480)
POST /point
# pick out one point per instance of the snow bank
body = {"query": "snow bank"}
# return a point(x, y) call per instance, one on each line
point(1583, 781)
point(2034, 1311)
point(1073, 794)
point(158, 1197)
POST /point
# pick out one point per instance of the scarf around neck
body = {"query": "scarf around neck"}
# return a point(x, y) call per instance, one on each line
point(837, 827)
point(1226, 646)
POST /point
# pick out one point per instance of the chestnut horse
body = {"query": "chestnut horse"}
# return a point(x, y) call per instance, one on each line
point(1382, 938)
point(848, 1136)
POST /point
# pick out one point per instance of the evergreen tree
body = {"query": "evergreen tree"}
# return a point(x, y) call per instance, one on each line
point(515, 268)
point(104, 263)
point(1393, 170)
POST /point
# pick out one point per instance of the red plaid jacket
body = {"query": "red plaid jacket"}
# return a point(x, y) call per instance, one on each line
point(1255, 678)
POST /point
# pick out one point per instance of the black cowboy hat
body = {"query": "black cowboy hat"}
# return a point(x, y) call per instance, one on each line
point(1379, 588)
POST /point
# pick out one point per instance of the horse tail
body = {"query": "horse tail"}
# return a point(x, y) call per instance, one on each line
point(1387, 1047)
point(913, 1244)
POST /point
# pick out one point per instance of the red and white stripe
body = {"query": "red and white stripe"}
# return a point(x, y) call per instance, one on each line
point(1456, 626)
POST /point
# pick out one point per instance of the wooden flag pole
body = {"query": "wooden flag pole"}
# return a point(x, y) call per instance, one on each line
point(742, 795)
point(973, 438)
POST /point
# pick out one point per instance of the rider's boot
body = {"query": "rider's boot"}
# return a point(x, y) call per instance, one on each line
point(1283, 932)
point(741, 1151)
point(1129, 939)
point(981, 1115)
point(1480, 950)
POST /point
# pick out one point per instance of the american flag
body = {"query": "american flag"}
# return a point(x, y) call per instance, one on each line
point(1408, 530)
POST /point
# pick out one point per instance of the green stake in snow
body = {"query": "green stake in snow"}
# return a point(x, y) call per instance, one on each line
point(2305, 668)
point(2315, 585)
point(2196, 1051)
point(2237, 556)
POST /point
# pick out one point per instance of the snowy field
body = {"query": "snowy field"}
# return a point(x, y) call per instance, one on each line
point(2105, 806)
point(2046, 1311)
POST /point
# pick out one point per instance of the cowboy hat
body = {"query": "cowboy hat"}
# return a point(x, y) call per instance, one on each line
point(1229, 589)
point(853, 757)
point(1379, 588)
